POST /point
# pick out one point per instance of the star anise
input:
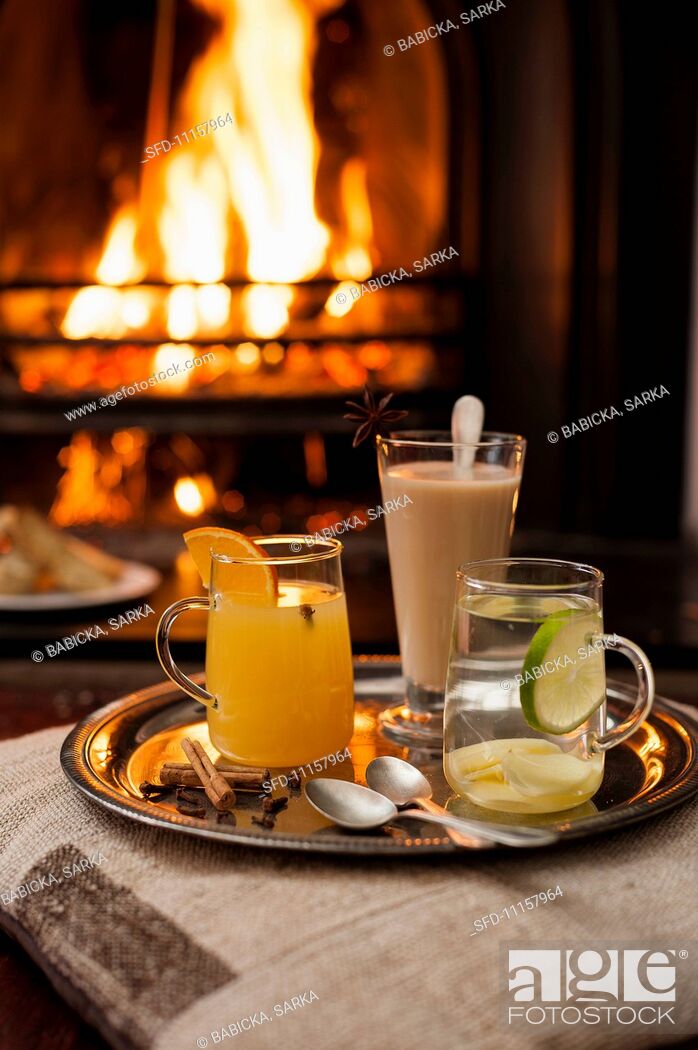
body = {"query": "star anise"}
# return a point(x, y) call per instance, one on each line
point(372, 416)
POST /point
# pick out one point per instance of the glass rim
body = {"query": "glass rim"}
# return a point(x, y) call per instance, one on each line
point(309, 550)
point(496, 439)
point(595, 577)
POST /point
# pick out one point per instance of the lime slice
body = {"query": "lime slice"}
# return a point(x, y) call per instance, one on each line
point(564, 678)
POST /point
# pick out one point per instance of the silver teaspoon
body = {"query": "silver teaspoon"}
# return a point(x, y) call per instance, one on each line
point(359, 808)
point(383, 776)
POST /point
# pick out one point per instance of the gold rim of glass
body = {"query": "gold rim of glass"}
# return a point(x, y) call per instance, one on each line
point(308, 549)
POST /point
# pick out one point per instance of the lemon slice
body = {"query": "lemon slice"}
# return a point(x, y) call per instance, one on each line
point(562, 687)
point(545, 775)
point(495, 794)
point(502, 797)
point(258, 583)
point(474, 760)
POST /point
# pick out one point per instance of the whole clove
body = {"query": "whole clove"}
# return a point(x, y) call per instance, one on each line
point(189, 809)
point(307, 612)
point(153, 792)
point(273, 805)
point(226, 817)
point(267, 821)
point(183, 794)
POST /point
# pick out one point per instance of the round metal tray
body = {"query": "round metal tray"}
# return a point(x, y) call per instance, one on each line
point(115, 749)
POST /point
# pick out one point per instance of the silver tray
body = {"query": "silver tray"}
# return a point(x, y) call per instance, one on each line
point(113, 750)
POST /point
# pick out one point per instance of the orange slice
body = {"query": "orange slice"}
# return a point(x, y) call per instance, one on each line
point(258, 583)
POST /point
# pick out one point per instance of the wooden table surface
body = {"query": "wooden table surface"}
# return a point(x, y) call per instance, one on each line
point(32, 1014)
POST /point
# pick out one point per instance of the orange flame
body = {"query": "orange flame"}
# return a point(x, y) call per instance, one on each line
point(103, 479)
point(240, 197)
point(257, 68)
point(119, 263)
point(194, 495)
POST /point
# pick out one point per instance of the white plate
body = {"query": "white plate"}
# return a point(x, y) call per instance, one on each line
point(136, 581)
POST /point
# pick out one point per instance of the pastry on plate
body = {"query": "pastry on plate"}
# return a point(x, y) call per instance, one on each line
point(18, 575)
point(36, 557)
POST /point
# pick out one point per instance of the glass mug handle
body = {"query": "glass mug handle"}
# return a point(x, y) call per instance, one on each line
point(162, 644)
point(645, 692)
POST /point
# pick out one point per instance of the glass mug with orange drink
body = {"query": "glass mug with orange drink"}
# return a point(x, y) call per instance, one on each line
point(279, 680)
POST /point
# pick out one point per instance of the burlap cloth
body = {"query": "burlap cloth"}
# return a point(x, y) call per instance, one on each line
point(168, 939)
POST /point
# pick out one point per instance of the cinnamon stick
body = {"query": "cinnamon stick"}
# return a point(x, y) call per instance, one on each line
point(222, 767)
point(185, 776)
point(216, 787)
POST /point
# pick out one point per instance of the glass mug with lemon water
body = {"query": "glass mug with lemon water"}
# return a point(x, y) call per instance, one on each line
point(279, 678)
point(525, 712)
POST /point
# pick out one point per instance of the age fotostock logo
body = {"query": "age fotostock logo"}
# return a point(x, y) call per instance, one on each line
point(593, 985)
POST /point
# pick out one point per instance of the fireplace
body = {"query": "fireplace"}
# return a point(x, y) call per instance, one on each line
point(247, 271)
point(180, 327)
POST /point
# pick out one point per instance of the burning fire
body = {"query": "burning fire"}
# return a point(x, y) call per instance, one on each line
point(355, 261)
point(242, 199)
point(119, 263)
point(258, 68)
point(104, 478)
point(194, 495)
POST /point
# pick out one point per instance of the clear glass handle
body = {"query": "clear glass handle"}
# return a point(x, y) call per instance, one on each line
point(645, 692)
point(162, 644)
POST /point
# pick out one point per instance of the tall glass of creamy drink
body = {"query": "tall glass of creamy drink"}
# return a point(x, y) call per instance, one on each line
point(454, 503)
